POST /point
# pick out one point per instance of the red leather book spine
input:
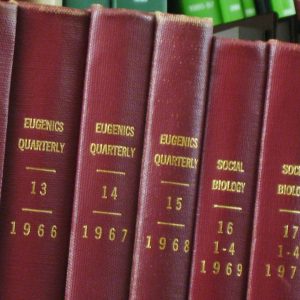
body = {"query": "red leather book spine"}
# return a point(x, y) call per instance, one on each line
point(8, 20)
point(112, 131)
point(40, 164)
point(171, 158)
point(275, 268)
point(229, 170)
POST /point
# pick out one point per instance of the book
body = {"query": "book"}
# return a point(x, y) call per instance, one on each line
point(297, 8)
point(229, 170)
point(111, 145)
point(201, 8)
point(47, 2)
point(284, 8)
point(42, 141)
point(262, 6)
point(231, 10)
point(249, 8)
point(274, 268)
point(8, 20)
point(144, 5)
point(85, 3)
point(171, 158)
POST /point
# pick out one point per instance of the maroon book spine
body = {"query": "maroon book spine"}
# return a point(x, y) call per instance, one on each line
point(275, 267)
point(8, 21)
point(171, 158)
point(229, 170)
point(42, 141)
point(111, 144)
point(297, 6)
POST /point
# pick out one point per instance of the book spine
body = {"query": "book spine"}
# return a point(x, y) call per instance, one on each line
point(47, 2)
point(85, 3)
point(231, 10)
point(262, 6)
point(297, 8)
point(229, 170)
point(8, 21)
point(284, 8)
point(201, 8)
point(274, 268)
point(42, 140)
point(112, 135)
point(170, 165)
point(145, 5)
point(249, 8)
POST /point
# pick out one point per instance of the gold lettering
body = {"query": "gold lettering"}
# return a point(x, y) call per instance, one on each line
point(112, 150)
point(40, 145)
point(115, 129)
point(175, 161)
point(179, 141)
point(230, 165)
point(228, 186)
point(291, 170)
point(43, 124)
point(288, 190)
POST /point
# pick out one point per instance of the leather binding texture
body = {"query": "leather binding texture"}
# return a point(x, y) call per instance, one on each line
point(171, 158)
point(8, 21)
point(111, 146)
point(229, 170)
point(40, 165)
point(274, 268)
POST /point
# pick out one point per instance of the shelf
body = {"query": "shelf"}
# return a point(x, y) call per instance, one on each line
point(266, 23)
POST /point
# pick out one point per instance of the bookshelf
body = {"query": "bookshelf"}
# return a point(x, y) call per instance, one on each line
point(267, 24)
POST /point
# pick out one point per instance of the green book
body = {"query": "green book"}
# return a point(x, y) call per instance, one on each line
point(283, 8)
point(201, 8)
point(144, 5)
point(231, 10)
point(85, 3)
point(249, 8)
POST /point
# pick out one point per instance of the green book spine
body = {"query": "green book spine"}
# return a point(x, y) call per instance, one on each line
point(249, 8)
point(144, 5)
point(231, 10)
point(283, 8)
point(85, 3)
point(47, 2)
point(202, 8)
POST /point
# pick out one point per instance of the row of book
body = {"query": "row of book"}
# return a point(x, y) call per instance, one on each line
point(143, 158)
point(222, 11)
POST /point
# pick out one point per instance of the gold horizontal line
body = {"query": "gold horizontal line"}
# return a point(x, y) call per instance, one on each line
point(170, 224)
point(289, 211)
point(230, 207)
point(175, 183)
point(111, 172)
point(40, 169)
point(41, 211)
point(109, 213)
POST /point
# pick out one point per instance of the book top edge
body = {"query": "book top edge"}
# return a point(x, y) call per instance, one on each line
point(119, 11)
point(51, 9)
point(205, 22)
point(289, 46)
point(234, 41)
point(8, 4)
